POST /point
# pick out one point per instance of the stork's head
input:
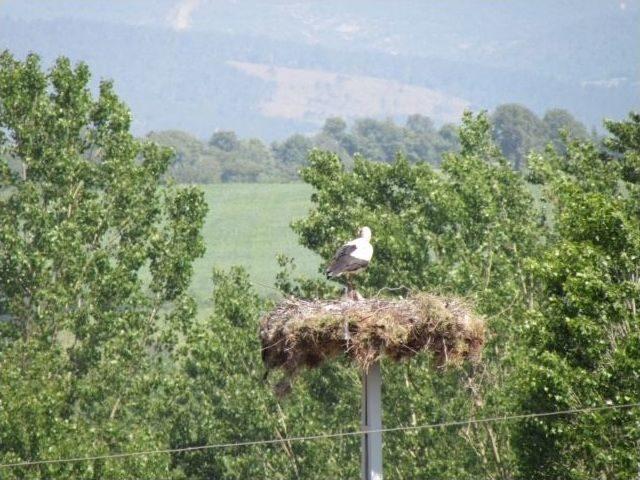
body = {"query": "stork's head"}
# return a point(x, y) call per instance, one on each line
point(365, 232)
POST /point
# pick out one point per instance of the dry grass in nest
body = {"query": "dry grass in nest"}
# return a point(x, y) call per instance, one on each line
point(299, 333)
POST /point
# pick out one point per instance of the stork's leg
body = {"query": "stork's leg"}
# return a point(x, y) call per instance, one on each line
point(347, 295)
point(347, 333)
point(352, 293)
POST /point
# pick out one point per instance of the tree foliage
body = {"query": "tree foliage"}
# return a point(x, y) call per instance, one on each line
point(558, 284)
point(469, 229)
point(584, 335)
point(85, 334)
point(100, 351)
point(517, 131)
point(559, 123)
point(227, 158)
point(226, 141)
point(224, 399)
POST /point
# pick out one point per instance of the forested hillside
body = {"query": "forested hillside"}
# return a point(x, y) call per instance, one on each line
point(228, 158)
point(107, 372)
point(271, 69)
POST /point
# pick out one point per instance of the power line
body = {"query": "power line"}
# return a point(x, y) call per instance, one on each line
point(264, 285)
point(325, 435)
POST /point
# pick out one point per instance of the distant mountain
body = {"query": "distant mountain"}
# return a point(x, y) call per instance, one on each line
point(269, 69)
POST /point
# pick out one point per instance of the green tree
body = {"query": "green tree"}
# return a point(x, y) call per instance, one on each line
point(421, 139)
point(87, 336)
point(468, 229)
point(193, 161)
point(252, 161)
point(227, 141)
point(559, 122)
point(223, 399)
point(584, 335)
point(294, 150)
point(624, 143)
point(420, 124)
point(334, 137)
point(248, 160)
point(335, 127)
point(425, 224)
point(292, 153)
point(517, 131)
point(448, 140)
point(378, 140)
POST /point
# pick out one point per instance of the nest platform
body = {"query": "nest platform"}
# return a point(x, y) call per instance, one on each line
point(303, 334)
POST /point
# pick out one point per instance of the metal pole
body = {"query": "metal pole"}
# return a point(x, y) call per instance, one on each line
point(372, 420)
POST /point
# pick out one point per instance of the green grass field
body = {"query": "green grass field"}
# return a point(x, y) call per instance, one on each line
point(248, 225)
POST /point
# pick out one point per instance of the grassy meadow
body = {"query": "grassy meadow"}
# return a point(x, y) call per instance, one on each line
point(248, 225)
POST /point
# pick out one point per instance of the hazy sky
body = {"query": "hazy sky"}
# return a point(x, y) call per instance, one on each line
point(583, 55)
point(347, 19)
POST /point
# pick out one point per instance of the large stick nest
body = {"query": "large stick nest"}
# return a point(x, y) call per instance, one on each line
point(299, 333)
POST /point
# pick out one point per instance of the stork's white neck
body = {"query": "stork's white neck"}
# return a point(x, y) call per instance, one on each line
point(364, 250)
point(365, 232)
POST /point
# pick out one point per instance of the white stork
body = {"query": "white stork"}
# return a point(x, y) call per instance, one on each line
point(351, 258)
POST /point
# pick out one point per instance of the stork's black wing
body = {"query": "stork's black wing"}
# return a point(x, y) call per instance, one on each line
point(342, 261)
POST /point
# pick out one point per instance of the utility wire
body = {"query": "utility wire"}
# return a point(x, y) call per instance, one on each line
point(264, 285)
point(325, 435)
